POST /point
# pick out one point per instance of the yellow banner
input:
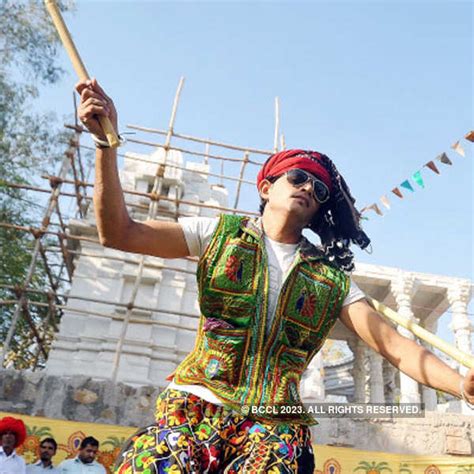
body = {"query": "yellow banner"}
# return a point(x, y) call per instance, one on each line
point(329, 459)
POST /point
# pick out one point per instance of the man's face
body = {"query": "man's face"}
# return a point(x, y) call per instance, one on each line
point(88, 453)
point(296, 200)
point(47, 451)
point(8, 439)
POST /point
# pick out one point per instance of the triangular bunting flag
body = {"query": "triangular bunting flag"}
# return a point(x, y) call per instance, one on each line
point(397, 192)
point(458, 148)
point(444, 159)
point(470, 136)
point(406, 184)
point(431, 165)
point(385, 201)
point(418, 179)
point(372, 207)
point(376, 208)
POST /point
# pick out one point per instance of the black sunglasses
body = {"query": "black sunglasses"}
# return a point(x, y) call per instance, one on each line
point(297, 178)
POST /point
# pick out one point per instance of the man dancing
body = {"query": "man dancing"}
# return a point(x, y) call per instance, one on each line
point(268, 299)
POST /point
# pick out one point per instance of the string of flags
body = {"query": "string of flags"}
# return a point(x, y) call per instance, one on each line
point(417, 178)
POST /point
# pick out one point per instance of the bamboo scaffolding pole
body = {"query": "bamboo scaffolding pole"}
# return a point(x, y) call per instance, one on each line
point(32, 325)
point(465, 359)
point(62, 225)
point(141, 159)
point(207, 173)
point(156, 191)
point(205, 155)
point(151, 195)
point(45, 329)
point(189, 152)
point(177, 201)
point(277, 125)
point(49, 232)
point(115, 317)
point(49, 273)
point(78, 65)
point(202, 140)
point(158, 197)
point(75, 181)
point(241, 175)
point(29, 187)
point(156, 266)
point(126, 306)
point(167, 199)
point(176, 148)
point(64, 250)
point(31, 269)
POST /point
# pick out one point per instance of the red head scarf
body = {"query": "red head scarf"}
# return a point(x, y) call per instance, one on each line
point(309, 161)
point(17, 426)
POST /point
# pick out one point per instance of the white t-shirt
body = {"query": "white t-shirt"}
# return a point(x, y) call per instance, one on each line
point(13, 464)
point(198, 232)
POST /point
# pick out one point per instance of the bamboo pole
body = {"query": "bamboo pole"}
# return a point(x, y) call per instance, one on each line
point(189, 152)
point(156, 191)
point(214, 175)
point(76, 186)
point(31, 269)
point(161, 145)
point(277, 125)
point(34, 229)
point(78, 65)
point(239, 185)
point(112, 316)
point(64, 250)
point(45, 329)
point(177, 148)
point(156, 266)
point(151, 195)
point(106, 302)
point(465, 359)
point(202, 140)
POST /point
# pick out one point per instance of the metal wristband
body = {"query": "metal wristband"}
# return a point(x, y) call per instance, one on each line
point(463, 396)
point(99, 143)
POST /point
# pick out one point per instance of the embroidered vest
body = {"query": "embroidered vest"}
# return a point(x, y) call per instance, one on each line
point(233, 356)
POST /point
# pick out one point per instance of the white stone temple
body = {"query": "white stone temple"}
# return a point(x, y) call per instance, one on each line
point(165, 314)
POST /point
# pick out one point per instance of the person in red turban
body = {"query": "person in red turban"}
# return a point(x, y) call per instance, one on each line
point(12, 435)
point(337, 222)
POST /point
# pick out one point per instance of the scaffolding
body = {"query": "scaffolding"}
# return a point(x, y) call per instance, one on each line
point(57, 248)
point(71, 183)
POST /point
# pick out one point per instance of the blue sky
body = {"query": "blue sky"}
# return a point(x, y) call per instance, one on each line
point(380, 87)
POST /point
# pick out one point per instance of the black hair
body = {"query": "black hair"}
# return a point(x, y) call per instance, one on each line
point(50, 441)
point(89, 441)
point(337, 221)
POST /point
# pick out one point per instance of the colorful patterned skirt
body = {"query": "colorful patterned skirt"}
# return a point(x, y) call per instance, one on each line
point(194, 436)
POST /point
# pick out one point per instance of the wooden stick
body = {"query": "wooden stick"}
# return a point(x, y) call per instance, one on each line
point(78, 65)
point(464, 359)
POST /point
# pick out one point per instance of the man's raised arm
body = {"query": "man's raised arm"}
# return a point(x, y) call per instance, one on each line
point(116, 228)
point(406, 355)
